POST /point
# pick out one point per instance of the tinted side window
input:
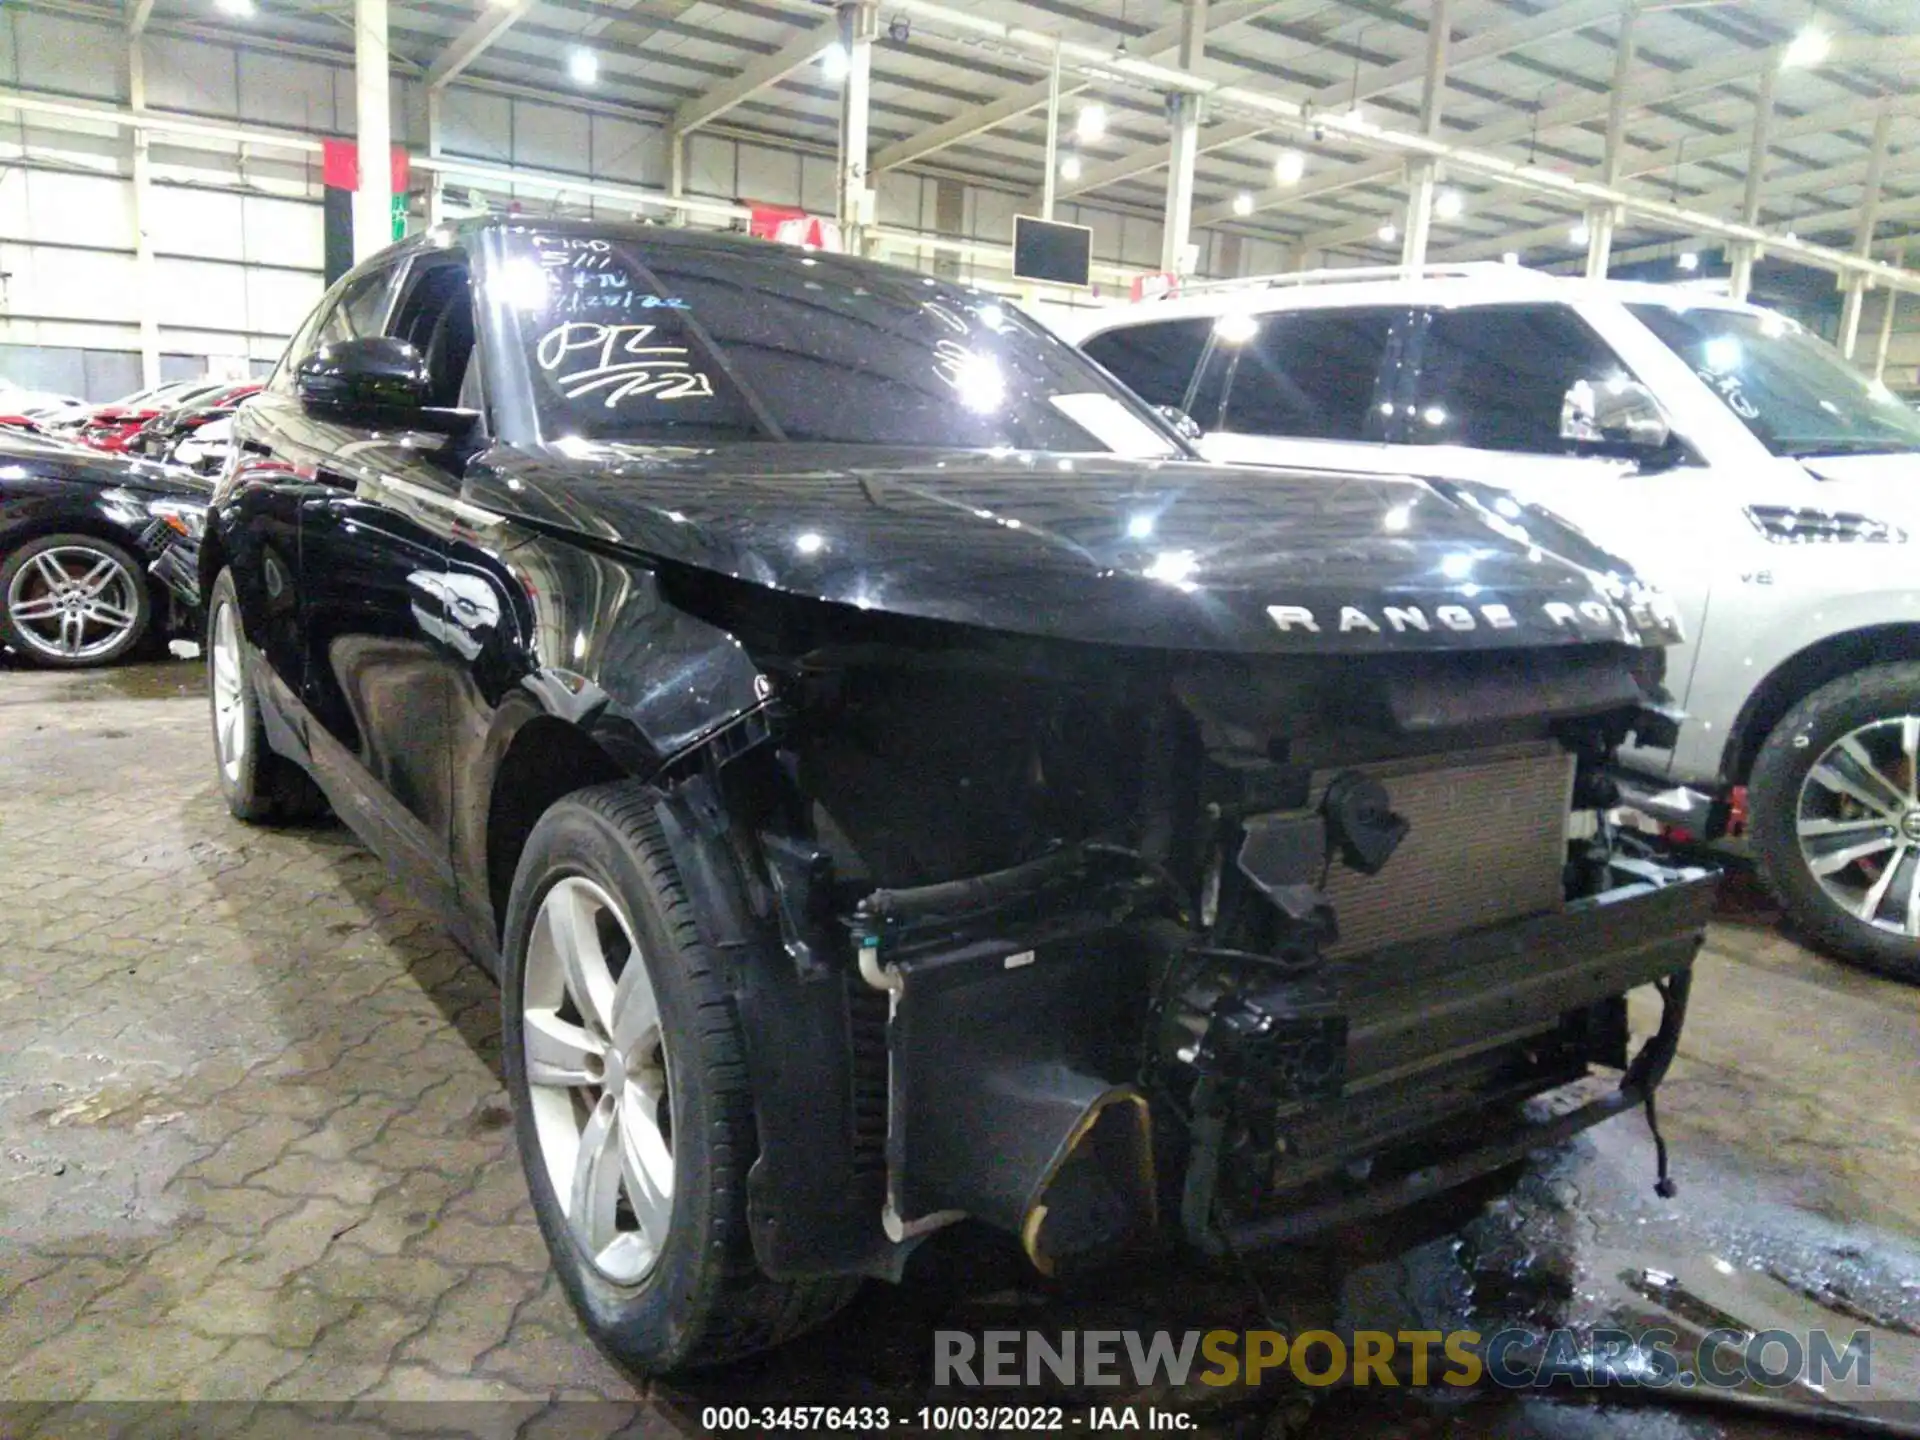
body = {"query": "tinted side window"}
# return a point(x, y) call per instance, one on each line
point(435, 316)
point(1311, 374)
point(1494, 376)
point(362, 306)
point(1155, 361)
point(341, 315)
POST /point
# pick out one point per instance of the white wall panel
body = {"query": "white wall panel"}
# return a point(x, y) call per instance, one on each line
point(1262, 257)
point(8, 50)
point(15, 222)
point(79, 209)
point(710, 166)
point(191, 75)
point(194, 222)
point(200, 294)
point(769, 177)
point(55, 284)
point(630, 153)
point(287, 93)
point(546, 137)
point(278, 300)
point(72, 57)
point(283, 232)
point(903, 202)
point(993, 212)
point(819, 185)
point(1140, 242)
point(477, 126)
point(15, 331)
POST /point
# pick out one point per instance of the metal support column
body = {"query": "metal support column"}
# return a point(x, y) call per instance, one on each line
point(146, 286)
point(1413, 247)
point(373, 131)
point(858, 25)
point(1600, 220)
point(436, 182)
point(1856, 285)
point(1886, 319)
point(1743, 255)
point(1184, 111)
point(1051, 184)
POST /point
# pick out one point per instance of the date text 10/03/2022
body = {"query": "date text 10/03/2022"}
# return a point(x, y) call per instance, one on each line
point(945, 1419)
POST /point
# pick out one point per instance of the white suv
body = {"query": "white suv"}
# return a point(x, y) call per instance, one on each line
point(1733, 458)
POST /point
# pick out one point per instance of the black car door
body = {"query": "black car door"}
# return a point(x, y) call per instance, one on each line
point(379, 658)
point(272, 474)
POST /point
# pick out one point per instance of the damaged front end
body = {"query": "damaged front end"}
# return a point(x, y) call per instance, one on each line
point(1094, 944)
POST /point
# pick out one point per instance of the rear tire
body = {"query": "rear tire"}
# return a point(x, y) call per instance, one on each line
point(259, 785)
point(1833, 857)
point(656, 1258)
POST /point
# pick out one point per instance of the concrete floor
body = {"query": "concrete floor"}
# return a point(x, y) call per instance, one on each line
point(253, 1146)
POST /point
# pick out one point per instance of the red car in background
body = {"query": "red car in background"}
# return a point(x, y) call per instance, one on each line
point(157, 437)
point(112, 427)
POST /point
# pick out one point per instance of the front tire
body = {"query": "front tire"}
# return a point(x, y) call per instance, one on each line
point(1834, 804)
point(260, 786)
point(625, 1064)
point(70, 601)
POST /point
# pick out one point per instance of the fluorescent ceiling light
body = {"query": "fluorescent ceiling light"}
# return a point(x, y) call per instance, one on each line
point(1807, 49)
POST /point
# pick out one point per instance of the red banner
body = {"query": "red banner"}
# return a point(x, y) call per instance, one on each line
point(1158, 286)
point(340, 166)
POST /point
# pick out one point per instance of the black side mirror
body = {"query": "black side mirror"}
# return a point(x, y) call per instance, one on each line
point(375, 377)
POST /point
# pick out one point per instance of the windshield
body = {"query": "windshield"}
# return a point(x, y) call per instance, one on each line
point(1791, 389)
point(690, 341)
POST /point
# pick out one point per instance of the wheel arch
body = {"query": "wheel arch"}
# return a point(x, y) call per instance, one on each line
point(545, 759)
point(1802, 673)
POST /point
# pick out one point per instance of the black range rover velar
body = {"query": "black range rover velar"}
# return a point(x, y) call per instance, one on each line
point(895, 783)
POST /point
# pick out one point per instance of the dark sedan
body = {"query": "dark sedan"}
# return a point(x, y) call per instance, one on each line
point(79, 534)
point(895, 783)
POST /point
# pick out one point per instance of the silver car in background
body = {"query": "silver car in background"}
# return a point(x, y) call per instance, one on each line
point(1735, 459)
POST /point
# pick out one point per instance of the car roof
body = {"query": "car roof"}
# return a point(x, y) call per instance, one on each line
point(1481, 285)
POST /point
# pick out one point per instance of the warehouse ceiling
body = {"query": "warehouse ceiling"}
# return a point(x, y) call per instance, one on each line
point(1527, 81)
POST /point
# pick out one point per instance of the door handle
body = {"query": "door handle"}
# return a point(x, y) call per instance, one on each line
point(334, 479)
point(256, 447)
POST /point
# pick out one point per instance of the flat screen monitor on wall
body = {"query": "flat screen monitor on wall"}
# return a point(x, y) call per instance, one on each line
point(1047, 250)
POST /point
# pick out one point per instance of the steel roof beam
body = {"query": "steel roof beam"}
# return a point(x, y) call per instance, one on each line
point(1462, 55)
point(474, 40)
point(767, 70)
point(1164, 41)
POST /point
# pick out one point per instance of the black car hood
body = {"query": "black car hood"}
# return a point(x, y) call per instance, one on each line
point(27, 456)
point(1090, 548)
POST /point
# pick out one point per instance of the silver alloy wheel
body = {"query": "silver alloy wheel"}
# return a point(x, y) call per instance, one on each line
point(597, 1078)
point(229, 711)
point(73, 602)
point(1858, 823)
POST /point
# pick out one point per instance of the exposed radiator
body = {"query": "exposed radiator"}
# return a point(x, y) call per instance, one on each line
point(1487, 843)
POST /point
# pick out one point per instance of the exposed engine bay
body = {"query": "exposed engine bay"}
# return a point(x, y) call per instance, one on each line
point(1113, 942)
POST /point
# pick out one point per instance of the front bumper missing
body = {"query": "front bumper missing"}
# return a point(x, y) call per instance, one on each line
point(1003, 1053)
